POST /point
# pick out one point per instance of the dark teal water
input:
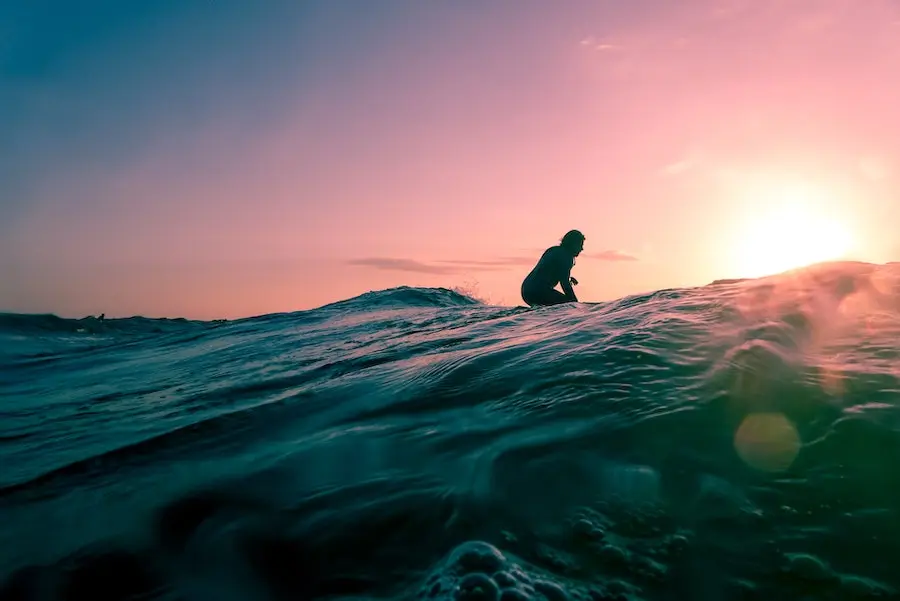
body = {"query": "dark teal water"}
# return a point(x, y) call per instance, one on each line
point(733, 441)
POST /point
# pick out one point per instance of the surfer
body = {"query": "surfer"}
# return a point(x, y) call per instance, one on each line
point(554, 267)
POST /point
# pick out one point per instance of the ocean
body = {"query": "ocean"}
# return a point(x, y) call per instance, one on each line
point(737, 440)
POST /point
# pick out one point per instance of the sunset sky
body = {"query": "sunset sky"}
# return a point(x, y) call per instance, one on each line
point(225, 159)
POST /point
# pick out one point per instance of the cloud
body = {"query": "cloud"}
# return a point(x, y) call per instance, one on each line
point(410, 265)
point(600, 45)
point(678, 167)
point(611, 255)
point(691, 160)
point(501, 262)
point(441, 267)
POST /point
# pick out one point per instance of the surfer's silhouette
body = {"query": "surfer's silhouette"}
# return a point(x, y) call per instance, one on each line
point(554, 267)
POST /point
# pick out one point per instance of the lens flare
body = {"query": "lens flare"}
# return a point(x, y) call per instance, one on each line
point(767, 442)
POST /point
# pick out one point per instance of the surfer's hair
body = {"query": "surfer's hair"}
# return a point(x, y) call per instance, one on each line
point(572, 238)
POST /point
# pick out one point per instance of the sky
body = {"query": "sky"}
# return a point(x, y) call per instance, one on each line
point(226, 159)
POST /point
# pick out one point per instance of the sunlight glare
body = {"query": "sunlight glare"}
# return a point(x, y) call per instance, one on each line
point(788, 229)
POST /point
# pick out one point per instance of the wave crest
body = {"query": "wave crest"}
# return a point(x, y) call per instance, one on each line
point(405, 297)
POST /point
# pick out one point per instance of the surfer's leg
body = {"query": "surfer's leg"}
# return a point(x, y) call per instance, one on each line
point(544, 297)
point(555, 297)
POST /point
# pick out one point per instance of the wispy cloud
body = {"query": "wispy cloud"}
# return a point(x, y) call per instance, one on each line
point(501, 262)
point(409, 265)
point(593, 43)
point(678, 167)
point(440, 267)
point(611, 255)
point(689, 161)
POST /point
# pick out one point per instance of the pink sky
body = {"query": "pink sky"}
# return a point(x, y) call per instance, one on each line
point(275, 158)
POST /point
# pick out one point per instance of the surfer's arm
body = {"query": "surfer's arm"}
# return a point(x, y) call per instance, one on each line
point(566, 285)
point(562, 268)
point(564, 265)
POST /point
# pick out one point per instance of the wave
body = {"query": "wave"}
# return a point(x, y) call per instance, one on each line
point(734, 440)
point(393, 298)
point(36, 324)
point(404, 297)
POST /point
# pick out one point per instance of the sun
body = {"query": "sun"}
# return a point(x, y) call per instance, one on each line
point(788, 228)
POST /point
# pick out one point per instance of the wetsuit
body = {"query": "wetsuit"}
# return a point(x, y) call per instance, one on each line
point(553, 268)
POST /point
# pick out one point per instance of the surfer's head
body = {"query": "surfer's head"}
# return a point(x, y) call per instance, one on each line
point(573, 242)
